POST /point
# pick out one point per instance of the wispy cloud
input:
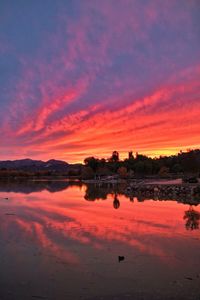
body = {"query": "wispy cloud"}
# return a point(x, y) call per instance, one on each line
point(100, 76)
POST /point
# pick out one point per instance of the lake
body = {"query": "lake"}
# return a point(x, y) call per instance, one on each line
point(73, 241)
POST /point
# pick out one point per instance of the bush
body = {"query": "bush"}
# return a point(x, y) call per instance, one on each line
point(87, 173)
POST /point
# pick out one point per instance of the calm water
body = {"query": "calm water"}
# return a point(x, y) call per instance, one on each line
point(62, 242)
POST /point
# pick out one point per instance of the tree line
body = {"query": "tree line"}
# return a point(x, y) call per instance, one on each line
point(141, 165)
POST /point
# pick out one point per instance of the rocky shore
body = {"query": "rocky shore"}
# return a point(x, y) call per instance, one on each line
point(182, 192)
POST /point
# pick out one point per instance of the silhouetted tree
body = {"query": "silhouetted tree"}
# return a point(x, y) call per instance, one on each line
point(103, 171)
point(139, 167)
point(164, 171)
point(92, 162)
point(130, 155)
point(115, 156)
point(122, 171)
point(148, 166)
point(176, 168)
point(185, 162)
point(87, 173)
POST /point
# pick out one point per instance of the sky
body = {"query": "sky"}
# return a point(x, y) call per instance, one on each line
point(84, 78)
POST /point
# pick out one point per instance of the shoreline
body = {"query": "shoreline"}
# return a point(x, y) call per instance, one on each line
point(137, 181)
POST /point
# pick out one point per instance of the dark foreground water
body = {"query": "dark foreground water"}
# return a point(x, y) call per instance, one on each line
point(62, 242)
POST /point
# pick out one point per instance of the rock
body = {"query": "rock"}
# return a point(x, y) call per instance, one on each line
point(121, 258)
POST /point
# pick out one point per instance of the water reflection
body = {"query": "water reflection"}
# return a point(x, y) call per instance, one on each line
point(116, 203)
point(30, 186)
point(95, 192)
point(192, 218)
point(80, 241)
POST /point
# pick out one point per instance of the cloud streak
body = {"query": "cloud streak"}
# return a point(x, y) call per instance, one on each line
point(99, 77)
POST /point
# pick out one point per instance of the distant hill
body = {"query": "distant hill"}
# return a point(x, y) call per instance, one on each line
point(34, 165)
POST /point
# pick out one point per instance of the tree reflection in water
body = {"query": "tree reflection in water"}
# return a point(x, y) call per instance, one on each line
point(192, 218)
point(102, 191)
point(95, 192)
point(116, 203)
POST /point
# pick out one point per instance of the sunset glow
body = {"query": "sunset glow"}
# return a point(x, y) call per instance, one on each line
point(47, 218)
point(82, 78)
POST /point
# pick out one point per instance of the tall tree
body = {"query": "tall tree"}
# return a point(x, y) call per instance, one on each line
point(130, 155)
point(92, 162)
point(115, 156)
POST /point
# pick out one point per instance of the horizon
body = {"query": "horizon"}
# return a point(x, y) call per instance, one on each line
point(79, 77)
point(121, 158)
